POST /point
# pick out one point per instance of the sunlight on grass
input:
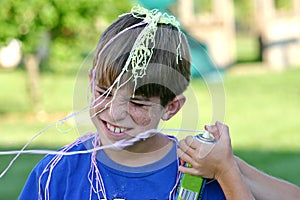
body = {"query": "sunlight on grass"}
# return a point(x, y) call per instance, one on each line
point(261, 110)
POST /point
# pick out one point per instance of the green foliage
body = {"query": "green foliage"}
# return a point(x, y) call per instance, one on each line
point(73, 26)
point(283, 4)
point(202, 6)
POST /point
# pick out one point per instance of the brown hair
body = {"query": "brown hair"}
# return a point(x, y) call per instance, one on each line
point(167, 75)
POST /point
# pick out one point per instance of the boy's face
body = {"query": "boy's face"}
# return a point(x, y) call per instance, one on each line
point(125, 116)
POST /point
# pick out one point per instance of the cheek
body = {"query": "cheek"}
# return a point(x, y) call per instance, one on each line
point(140, 116)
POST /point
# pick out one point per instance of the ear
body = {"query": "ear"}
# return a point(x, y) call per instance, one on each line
point(173, 107)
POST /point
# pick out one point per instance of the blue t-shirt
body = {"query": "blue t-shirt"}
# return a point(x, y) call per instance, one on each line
point(75, 177)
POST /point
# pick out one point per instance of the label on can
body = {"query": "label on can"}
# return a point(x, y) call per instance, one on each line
point(190, 186)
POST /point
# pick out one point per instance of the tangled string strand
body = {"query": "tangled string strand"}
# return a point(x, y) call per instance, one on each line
point(139, 58)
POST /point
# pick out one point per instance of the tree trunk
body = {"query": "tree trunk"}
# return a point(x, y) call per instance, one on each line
point(32, 63)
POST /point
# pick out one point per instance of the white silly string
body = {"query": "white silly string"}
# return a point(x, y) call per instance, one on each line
point(139, 62)
point(117, 145)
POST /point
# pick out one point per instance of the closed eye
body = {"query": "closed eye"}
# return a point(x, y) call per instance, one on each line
point(140, 101)
point(102, 91)
point(139, 104)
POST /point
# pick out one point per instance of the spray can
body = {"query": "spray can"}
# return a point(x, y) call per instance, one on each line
point(191, 187)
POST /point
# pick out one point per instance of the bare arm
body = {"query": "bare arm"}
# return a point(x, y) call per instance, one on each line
point(233, 184)
point(235, 176)
point(215, 161)
point(265, 187)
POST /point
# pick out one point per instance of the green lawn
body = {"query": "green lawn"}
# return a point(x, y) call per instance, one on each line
point(261, 109)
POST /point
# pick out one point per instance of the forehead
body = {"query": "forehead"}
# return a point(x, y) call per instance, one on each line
point(116, 54)
point(115, 81)
point(126, 93)
point(163, 68)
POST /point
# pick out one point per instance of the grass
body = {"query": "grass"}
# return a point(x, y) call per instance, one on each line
point(265, 108)
point(56, 90)
point(261, 109)
point(11, 184)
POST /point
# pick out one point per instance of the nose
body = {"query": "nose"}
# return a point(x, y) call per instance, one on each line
point(118, 110)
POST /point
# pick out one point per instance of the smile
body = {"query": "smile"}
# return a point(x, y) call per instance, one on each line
point(115, 129)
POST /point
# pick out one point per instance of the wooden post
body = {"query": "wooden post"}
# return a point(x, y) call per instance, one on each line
point(223, 10)
point(296, 10)
point(32, 63)
point(186, 8)
point(215, 29)
point(280, 34)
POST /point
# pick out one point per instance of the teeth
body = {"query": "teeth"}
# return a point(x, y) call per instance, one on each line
point(115, 129)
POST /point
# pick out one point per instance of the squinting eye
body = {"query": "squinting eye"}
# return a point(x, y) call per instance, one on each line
point(98, 93)
point(102, 92)
point(137, 104)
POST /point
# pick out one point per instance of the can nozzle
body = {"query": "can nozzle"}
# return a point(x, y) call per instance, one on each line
point(205, 137)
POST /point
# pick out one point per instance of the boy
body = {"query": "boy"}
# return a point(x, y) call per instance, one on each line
point(141, 68)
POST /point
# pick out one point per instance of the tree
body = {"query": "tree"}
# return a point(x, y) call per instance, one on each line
point(66, 27)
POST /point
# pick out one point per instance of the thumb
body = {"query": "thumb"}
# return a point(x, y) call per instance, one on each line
point(223, 132)
point(213, 129)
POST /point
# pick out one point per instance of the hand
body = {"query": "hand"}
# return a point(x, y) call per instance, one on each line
point(208, 160)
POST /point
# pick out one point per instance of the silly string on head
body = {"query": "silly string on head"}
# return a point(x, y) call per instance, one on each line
point(136, 66)
point(142, 50)
point(129, 57)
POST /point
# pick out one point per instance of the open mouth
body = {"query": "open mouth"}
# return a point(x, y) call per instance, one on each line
point(115, 130)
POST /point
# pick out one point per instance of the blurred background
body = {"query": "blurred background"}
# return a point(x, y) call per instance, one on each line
point(254, 45)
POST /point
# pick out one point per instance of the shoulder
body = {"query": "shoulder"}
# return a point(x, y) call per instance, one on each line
point(60, 169)
point(59, 159)
point(64, 161)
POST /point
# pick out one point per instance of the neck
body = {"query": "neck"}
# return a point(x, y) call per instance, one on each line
point(143, 152)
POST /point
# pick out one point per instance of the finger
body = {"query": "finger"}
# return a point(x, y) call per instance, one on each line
point(223, 129)
point(184, 156)
point(192, 142)
point(187, 144)
point(213, 129)
point(185, 147)
point(188, 170)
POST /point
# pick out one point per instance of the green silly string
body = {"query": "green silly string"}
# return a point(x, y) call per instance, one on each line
point(142, 49)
